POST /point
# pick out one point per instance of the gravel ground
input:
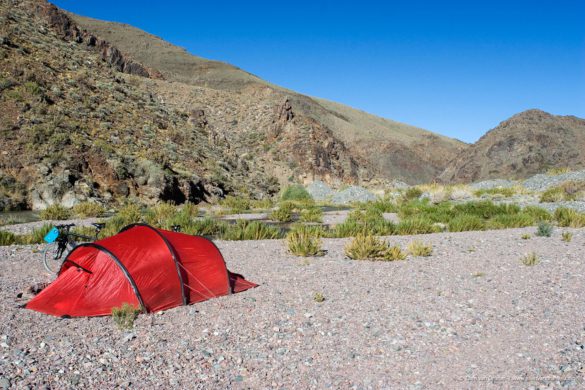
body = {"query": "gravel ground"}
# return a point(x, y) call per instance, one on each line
point(543, 181)
point(470, 316)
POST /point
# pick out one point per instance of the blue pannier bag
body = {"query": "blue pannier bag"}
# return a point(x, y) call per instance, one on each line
point(52, 235)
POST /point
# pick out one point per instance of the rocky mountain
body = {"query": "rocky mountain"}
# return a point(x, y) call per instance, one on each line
point(98, 110)
point(321, 139)
point(528, 143)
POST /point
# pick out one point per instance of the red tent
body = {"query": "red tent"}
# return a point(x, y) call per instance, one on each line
point(152, 269)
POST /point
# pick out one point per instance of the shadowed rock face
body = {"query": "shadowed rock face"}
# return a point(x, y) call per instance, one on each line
point(528, 143)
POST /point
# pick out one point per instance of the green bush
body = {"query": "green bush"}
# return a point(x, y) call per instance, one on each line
point(465, 222)
point(313, 214)
point(236, 205)
point(125, 316)
point(55, 212)
point(281, 215)
point(162, 215)
point(537, 213)
point(506, 192)
point(544, 229)
point(505, 221)
point(384, 205)
point(251, 230)
point(295, 192)
point(7, 238)
point(485, 209)
point(369, 221)
point(416, 225)
point(88, 209)
point(130, 213)
point(303, 242)
point(205, 227)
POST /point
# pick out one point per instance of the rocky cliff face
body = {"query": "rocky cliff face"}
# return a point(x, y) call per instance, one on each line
point(528, 143)
point(74, 127)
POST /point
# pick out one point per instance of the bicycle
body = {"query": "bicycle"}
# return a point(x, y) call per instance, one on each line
point(60, 241)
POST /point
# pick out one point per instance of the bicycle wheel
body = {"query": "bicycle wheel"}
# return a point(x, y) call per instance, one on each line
point(51, 258)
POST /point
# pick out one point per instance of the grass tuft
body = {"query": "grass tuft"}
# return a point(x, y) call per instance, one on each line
point(318, 297)
point(418, 248)
point(567, 236)
point(544, 229)
point(304, 242)
point(530, 259)
point(124, 316)
point(88, 209)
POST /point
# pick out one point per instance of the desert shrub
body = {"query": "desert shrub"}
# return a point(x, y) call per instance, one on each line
point(418, 248)
point(88, 209)
point(530, 259)
point(567, 236)
point(251, 230)
point(416, 225)
point(302, 242)
point(236, 205)
point(566, 217)
point(7, 238)
point(463, 223)
point(537, 213)
point(312, 214)
point(281, 214)
point(125, 315)
point(366, 246)
point(505, 221)
point(525, 236)
point(544, 229)
point(295, 192)
point(55, 212)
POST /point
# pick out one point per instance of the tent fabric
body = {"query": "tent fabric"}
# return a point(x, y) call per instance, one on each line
point(152, 269)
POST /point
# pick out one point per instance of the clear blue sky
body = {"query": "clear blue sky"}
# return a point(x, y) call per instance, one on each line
point(454, 67)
